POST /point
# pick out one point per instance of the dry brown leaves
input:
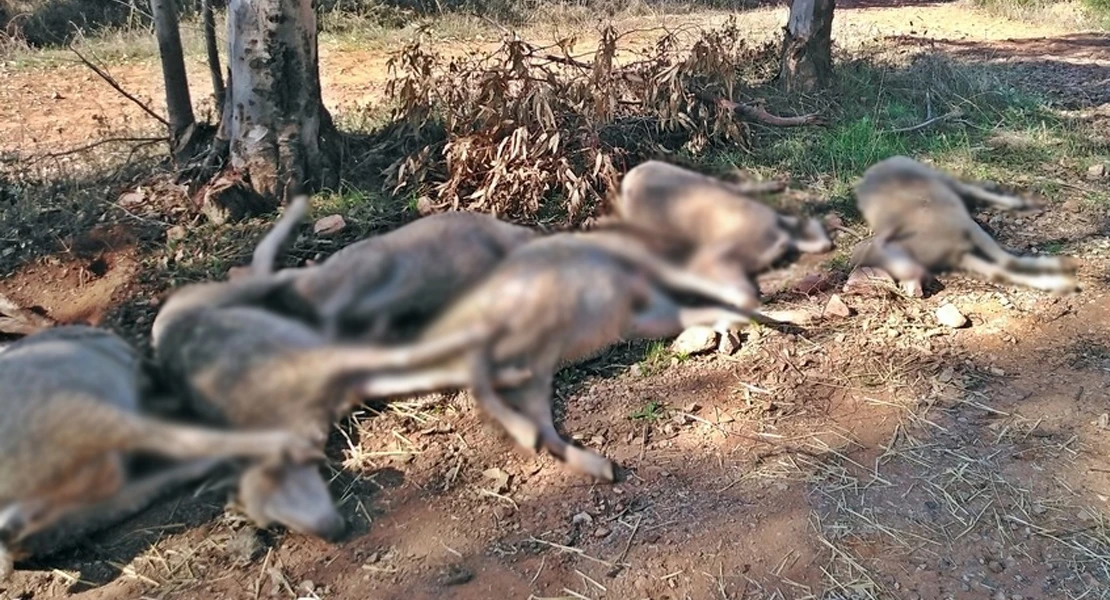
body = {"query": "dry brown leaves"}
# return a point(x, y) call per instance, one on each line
point(528, 131)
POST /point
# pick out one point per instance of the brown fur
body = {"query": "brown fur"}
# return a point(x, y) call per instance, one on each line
point(561, 299)
point(69, 418)
point(414, 270)
point(922, 226)
point(735, 237)
point(248, 367)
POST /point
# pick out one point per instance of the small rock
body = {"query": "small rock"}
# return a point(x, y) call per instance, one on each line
point(176, 233)
point(695, 340)
point(950, 316)
point(691, 408)
point(997, 372)
point(812, 284)
point(329, 225)
point(995, 567)
point(307, 586)
point(582, 518)
point(635, 370)
point(499, 477)
point(1096, 171)
point(601, 532)
point(837, 308)
point(1104, 421)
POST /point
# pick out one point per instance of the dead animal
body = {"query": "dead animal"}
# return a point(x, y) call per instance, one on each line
point(922, 225)
point(247, 367)
point(69, 420)
point(734, 236)
point(561, 299)
point(412, 271)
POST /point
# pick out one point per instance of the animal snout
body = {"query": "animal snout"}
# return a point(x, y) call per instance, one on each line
point(331, 527)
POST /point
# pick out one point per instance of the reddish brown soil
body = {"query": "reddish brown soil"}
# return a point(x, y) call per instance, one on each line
point(878, 456)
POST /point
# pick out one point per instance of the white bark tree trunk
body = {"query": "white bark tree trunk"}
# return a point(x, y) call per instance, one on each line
point(274, 118)
point(807, 50)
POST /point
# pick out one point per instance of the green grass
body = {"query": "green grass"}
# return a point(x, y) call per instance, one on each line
point(1002, 134)
point(649, 413)
point(658, 356)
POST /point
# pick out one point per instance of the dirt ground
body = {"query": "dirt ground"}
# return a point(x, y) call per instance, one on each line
point(881, 455)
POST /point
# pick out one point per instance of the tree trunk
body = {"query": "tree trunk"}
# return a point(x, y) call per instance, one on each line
point(274, 118)
point(807, 50)
point(178, 103)
point(211, 47)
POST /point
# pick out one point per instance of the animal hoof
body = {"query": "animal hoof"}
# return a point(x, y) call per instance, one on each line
point(590, 463)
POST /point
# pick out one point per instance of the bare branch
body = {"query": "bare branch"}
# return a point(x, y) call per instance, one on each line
point(87, 147)
point(115, 85)
point(756, 113)
point(954, 113)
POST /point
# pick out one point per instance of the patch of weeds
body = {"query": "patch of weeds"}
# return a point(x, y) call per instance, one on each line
point(1054, 247)
point(839, 263)
point(658, 357)
point(650, 413)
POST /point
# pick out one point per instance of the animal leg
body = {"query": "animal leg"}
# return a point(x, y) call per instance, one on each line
point(523, 431)
point(262, 263)
point(356, 359)
point(1052, 282)
point(742, 297)
point(186, 441)
point(896, 261)
point(534, 400)
point(812, 238)
point(129, 500)
point(433, 379)
point(1003, 201)
point(1029, 264)
point(660, 316)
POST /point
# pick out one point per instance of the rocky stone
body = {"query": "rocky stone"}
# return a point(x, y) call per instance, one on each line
point(950, 316)
point(329, 225)
point(837, 308)
point(695, 340)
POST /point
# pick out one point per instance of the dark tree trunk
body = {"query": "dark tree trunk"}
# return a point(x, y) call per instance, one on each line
point(179, 105)
point(210, 45)
point(807, 50)
point(278, 134)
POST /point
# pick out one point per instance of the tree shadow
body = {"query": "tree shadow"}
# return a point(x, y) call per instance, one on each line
point(1073, 69)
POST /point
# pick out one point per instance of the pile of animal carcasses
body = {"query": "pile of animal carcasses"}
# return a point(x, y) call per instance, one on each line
point(272, 359)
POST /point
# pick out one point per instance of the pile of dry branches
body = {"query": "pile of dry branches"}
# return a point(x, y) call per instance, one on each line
point(528, 131)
